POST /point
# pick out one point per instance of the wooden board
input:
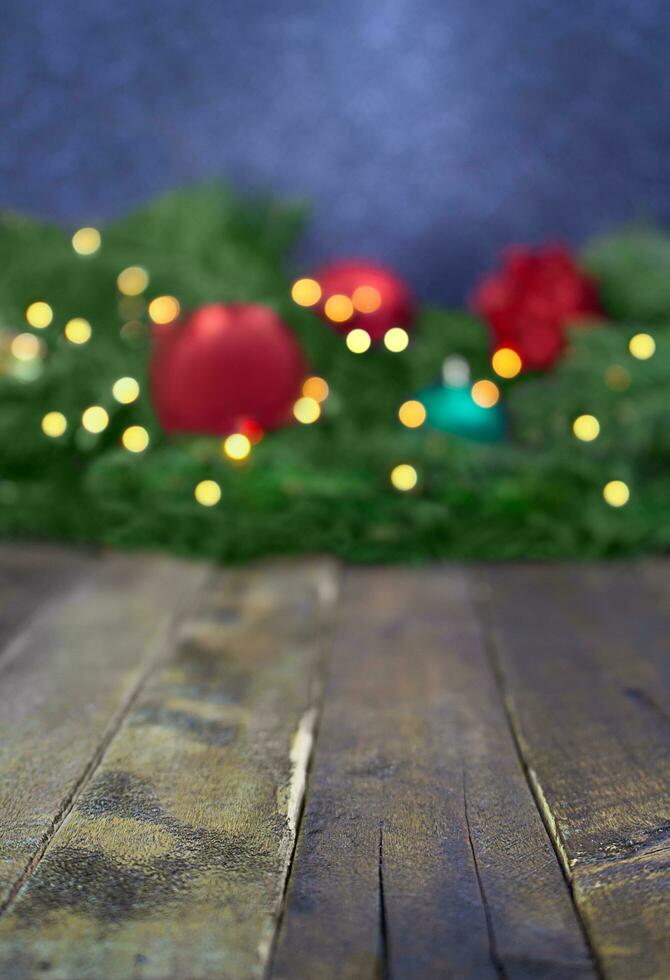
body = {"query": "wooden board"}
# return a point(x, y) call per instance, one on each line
point(422, 853)
point(173, 859)
point(584, 660)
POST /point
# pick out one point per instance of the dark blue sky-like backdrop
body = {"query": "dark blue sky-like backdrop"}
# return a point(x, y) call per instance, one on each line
point(427, 133)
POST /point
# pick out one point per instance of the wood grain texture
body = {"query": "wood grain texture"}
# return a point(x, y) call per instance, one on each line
point(173, 860)
point(63, 683)
point(421, 853)
point(582, 653)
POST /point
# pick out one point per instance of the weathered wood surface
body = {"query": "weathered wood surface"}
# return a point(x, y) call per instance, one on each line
point(583, 656)
point(422, 853)
point(172, 861)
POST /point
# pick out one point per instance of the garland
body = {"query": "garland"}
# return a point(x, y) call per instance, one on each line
point(562, 451)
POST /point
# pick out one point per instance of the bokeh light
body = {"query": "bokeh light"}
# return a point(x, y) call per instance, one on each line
point(39, 314)
point(642, 346)
point(25, 347)
point(164, 309)
point(506, 363)
point(207, 493)
point(396, 339)
point(485, 393)
point(237, 446)
point(404, 477)
point(135, 438)
point(307, 410)
point(586, 427)
point(78, 330)
point(54, 424)
point(339, 308)
point(358, 340)
point(126, 390)
point(316, 388)
point(306, 292)
point(95, 419)
point(366, 299)
point(132, 281)
point(616, 493)
point(412, 414)
point(86, 241)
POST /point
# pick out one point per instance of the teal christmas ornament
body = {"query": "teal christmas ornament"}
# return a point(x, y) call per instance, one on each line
point(450, 407)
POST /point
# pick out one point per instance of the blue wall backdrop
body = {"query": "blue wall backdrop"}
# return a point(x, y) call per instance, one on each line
point(426, 132)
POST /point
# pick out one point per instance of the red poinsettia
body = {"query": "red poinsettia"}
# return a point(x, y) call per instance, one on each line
point(531, 301)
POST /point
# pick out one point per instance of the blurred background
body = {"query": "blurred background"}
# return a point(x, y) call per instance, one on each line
point(423, 133)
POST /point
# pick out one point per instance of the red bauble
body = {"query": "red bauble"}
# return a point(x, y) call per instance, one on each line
point(529, 304)
point(379, 298)
point(223, 367)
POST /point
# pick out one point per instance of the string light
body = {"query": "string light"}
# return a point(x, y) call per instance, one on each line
point(316, 388)
point(412, 414)
point(164, 309)
point(25, 347)
point(306, 292)
point(586, 427)
point(95, 419)
point(404, 477)
point(307, 410)
point(617, 377)
point(616, 493)
point(396, 339)
point(237, 446)
point(54, 424)
point(133, 280)
point(506, 363)
point(207, 493)
point(39, 315)
point(642, 346)
point(135, 438)
point(339, 308)
point(366, 299)
point(126, 390)
point(358, 340)
point(86, 241)
point(78, 330)
point(485, 393)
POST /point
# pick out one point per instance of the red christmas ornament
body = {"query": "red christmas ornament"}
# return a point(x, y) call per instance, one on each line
point(362, 294)
point(529, 304)
point(224, 368)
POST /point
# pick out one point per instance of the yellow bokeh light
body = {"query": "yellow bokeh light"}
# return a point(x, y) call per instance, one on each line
point(95, 419)
point(54, 424)
point(133, 280)
point(339, 308)
point(307, 410)
point(126, 390)
point(207, 493)
point(586, 427)
point(237, 446)
point(642, 346)
point(404, 477)
point(617, 377)
point(164, 309)
point(135, 438)
point(78, 330)
point(506, 363)
point(616, 493)
point(412, 414)
point(485, 393)
point(396, 339)
point(316, 388)
point(306, 292)
point(366, 299)
point(358, 341)
point(39, 315)
point(86, 241)
point(25, 347)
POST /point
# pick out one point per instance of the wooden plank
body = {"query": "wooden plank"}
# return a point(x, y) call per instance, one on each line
point(64, 682)
point(173, 860)
point(421, 853)
point(586, 671)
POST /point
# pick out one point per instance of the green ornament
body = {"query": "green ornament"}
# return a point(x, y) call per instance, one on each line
point(450, 407)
